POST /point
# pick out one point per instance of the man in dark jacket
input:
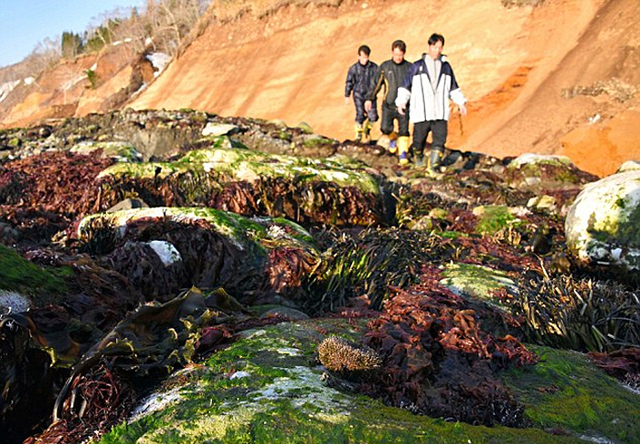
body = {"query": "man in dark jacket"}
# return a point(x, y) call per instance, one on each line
point(390, 75)
point(359, 80)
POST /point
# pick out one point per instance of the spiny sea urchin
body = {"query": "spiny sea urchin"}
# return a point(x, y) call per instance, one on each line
point(347, 359)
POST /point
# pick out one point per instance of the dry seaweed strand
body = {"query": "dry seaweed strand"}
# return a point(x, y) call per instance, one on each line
point(101, 398)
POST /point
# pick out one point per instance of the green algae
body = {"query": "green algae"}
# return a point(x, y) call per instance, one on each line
point(245, 232)
point(18, 274)
point(277, 397)
point(243, 164)
point(493, 218)
point(566, 391)
point(477, 281)
point(316, 142)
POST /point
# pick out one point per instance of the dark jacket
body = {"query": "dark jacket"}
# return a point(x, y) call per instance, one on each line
point(390, 75)
point(359, 79)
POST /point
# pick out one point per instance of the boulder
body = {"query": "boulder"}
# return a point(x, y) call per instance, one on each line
point(255, 259)
point(478, 282)
point(262, 389)
point(545, 172)
point(218, 129)
point(629, 165)
point(118, 151)
point(250, 182)
point(603, 224)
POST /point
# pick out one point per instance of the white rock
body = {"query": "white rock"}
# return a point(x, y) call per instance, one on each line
point(532, 158)
point(629, 165)
point(12, 302)
point(603, 224)
point(167, 253)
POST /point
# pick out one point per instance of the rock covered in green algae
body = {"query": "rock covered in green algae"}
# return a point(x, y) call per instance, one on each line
point(567, 393)
point(240, 230)
point(23, 284)
point(255, 259)
point(547, 172)
point(477, 281)
point(250, 182)
point(262, 389)
point(603, 224)
point(240, 164)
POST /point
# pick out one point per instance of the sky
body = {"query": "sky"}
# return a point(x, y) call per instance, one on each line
point(25, 23)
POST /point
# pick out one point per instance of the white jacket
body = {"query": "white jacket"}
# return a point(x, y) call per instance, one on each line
point(425, 104)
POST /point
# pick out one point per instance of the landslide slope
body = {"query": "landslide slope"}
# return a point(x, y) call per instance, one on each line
point(546, 76)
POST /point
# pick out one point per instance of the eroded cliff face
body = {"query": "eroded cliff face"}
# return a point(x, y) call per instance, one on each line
point(557, 77)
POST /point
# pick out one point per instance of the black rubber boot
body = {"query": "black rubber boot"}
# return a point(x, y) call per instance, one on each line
point(435, 162)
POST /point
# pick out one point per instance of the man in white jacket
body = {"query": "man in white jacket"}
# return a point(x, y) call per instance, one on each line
point(428, 87)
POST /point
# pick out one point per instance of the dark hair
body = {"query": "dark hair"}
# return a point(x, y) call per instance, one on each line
point(435, 38)
point(402, 46)
point(365, 49)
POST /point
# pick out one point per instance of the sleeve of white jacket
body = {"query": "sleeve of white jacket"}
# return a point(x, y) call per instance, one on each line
point(457, 97)
point(403, 96)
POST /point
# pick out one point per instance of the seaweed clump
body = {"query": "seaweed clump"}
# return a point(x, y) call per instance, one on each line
point(579, 314)
point(437, 360)
point(42, 194)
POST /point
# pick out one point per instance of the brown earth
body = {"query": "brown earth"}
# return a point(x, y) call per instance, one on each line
point(559, 77)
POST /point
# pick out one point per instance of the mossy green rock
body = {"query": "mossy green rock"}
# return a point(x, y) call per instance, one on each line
point(567, 393)
point(250, 166)
point(244, 233)
point(538, 171)
point(19, 275)
point(265, 388)
point(477, 282)
point(603, 224)
point(493, 218)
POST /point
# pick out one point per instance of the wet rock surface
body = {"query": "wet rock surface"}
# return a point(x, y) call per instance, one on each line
point(217, 221)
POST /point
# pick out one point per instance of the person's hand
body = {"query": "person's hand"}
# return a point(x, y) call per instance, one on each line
point(346, 100)
point(401, 109)
point(463, 109)
point(367, 105)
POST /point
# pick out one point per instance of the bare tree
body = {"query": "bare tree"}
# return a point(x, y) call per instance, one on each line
point(169, 21)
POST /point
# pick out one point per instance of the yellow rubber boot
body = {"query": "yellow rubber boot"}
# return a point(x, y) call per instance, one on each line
point(403, 150)
point(393, 143)
point(366, 131)
point(358, 130)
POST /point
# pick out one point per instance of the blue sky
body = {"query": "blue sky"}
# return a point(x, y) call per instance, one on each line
point(25, 23)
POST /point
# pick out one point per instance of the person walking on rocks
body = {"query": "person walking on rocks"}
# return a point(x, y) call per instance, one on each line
point(359, 79)
point(389, 76)
point(428, 87)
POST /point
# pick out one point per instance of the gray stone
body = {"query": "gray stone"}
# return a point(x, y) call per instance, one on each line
point(286, 312)
point(128, 204)
point(218, 129)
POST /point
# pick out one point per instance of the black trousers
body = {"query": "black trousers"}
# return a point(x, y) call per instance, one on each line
point(361, 114)
point(421, 130)
point(389, 114)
